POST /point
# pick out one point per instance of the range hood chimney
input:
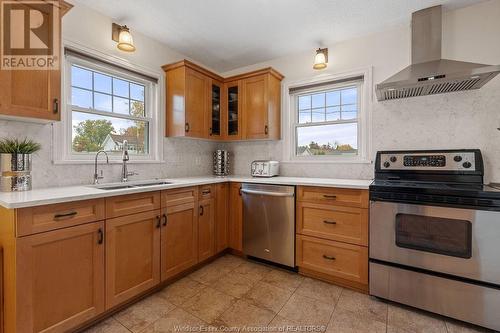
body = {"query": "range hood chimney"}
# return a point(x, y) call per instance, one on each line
point(429, 74)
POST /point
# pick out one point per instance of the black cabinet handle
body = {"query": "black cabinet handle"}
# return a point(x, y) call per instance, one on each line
point(329, 222)
point(211, 131)
point(164, 220)
point(239, 191)
point(201, 211)
point(55, 106)
point(100, 238)
point(329, 196)
point(205, 192)
point(158, 222)
point(266, 129)
point(186, 127)
point(328, 257)
point(68, 215)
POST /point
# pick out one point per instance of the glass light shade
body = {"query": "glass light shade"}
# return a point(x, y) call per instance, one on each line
point(125, 40)
point(320, 60)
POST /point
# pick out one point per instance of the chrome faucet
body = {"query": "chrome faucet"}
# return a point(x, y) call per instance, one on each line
point(96, 174)
point(125, 159)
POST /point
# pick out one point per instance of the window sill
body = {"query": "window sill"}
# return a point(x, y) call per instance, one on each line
point(103, 160)
point(343, 161)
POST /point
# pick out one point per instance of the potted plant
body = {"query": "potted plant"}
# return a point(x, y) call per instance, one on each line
point(15, 163)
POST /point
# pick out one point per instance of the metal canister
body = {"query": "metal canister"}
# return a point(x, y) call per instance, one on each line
point(15, 172)
point(221, 163)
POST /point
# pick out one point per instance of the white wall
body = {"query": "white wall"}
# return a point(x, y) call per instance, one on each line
point(92, 30)
point(456, 120)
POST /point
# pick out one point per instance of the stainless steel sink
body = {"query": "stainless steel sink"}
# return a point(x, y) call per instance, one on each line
point(110, 187)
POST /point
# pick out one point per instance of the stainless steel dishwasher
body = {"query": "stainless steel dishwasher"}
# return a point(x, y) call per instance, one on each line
point(269, 222)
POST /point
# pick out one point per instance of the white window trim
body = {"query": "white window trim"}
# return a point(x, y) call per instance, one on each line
point(62, 131)
point(364, 118)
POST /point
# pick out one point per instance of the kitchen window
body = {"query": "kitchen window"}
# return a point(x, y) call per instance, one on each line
point(107, 105)
point(329, 120)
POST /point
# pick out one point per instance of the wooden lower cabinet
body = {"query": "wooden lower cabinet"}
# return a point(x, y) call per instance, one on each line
point(60, 279)
point(206, 229)
point(132, 255)
point(221, 216)
point(235, 217)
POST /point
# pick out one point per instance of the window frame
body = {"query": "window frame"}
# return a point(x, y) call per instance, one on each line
point(363, 116)
point(62, 136)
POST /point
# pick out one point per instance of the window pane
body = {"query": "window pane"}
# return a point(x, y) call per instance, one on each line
point(102, 102)
point(333, 113)
point(81, 77)
point(92, 133)
point(137, 109)
point(333, 98)
point(102, 83)
point(318, 101)
point(120, 88)
point(349, 111)
point(121, 105)
point(137, 92)
point(304, 102)
point(318, 115)
point(337, 139)
point(349, 96)
point(304, 117)
point(81, 98)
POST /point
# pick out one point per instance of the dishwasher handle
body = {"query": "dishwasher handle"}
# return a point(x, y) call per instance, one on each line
point(272, 194)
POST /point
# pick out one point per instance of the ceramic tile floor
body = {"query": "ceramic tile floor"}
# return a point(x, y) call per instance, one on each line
point(234, 293)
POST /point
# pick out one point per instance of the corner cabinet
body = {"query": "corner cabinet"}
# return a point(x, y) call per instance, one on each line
point(201, 104)
point(33, 95)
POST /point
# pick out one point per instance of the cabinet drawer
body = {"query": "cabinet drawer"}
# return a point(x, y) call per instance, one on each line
point(206, 192)
point(345, 261)
point(132, 203)
point(345, 224)
point(332, 195)
point(179, 196)
point(33, 220)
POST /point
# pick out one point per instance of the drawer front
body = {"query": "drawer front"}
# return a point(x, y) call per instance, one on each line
point(132, 203)
point(344, 224)
point(206, 192)
point(179, 196)
point(346, 261)
point(38, 219)
point(336, 196)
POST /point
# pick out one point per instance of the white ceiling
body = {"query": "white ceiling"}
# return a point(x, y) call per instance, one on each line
point(227, 34)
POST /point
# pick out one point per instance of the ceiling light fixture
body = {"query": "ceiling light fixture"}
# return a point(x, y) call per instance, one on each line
point(321, 58)
point(121, 35)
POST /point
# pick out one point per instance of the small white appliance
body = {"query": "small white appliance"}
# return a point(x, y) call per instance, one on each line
point(265, 168)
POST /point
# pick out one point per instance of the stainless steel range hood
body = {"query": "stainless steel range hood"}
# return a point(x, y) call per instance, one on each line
point(429, 74)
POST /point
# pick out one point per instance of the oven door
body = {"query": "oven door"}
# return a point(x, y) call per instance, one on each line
point(459, 242)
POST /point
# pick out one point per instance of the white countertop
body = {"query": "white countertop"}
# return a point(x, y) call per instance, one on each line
point(45, 196)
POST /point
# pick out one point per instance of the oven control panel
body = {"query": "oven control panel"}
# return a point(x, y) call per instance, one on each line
point(445, 161)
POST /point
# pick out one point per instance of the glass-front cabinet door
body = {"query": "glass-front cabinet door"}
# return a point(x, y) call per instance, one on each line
point(233, 107)
point(215, 126)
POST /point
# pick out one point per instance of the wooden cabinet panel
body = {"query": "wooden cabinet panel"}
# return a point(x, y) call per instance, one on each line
point(132, 203)
point(179, 239)
point(196, 104)
point(60, 278)
point(333, 196)
point(255, 107)
point(235, 217)
point(179, 196)
point(132, 255)
point(345, 224)
point(50, 217)
point(221, 216)
point(345, 261)
point(206, 229)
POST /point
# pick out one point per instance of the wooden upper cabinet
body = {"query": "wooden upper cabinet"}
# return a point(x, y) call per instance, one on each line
point(202, 104)
point(60, 279)
point(33, 94)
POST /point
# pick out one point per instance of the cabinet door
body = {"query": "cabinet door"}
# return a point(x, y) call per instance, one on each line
point(196, 104)
point(255, 107)
point(206, 229)
point(221, 216)
point(235, 217)
point(132, 255)
point(215, 110)
point(233, 110)
point(60, 278)
point(179, 239)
